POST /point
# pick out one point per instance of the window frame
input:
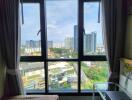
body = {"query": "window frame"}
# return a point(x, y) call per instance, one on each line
point(43, 58)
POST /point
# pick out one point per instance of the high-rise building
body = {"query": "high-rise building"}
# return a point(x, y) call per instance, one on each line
point(33, 44)
point(50, 44)
point(69, 43)
point(90, 42)
point(93, 45)
point(75, 38)
point(87, 43)
point(37, 44)
point(30, 44)
point(58, 45)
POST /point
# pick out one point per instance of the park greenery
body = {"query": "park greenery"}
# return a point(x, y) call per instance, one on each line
point(62, 53)
point(97, 71)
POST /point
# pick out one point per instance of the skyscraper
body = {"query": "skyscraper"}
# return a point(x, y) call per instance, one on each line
point(37, 44)
point(75, 38)
point(93, 44)
point(90, 42)
point(50, 44)
point(30, 44)
point(33, 44)
point(58, 44)
point(87, 43)
point(69, 44)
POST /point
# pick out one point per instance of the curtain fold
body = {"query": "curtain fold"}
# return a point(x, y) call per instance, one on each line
point(10, 45)
point(2, 76)
point(114, 29)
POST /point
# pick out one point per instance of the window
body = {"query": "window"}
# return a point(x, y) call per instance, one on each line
point(91, 72)
point(62, 48)
point(32, 75)
point(61, 28)
point(30, 39)
point(62, 76)
point(92, 37)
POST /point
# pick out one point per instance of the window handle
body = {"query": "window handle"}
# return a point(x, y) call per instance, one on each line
point(84, 31)
point(22, 12)
point(39, 31)
point(99, 13)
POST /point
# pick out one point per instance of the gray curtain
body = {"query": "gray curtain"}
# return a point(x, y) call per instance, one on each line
point(114, 29)
point(9, 44)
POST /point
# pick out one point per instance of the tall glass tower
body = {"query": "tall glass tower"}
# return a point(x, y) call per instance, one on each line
point(75, 38)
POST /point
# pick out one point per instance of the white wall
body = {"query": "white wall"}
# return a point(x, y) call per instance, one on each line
point(128, 44)
point(128, 54)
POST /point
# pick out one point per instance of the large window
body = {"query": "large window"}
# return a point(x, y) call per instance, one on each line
point(93, 38)
point(62, 47)
point(32, 75)
point(30, 39)
point(61, 28)
point(62, 76)
point(91, 72)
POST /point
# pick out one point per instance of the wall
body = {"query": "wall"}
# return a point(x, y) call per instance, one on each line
point(128, 42)
point(2, 77)
point(128, 49)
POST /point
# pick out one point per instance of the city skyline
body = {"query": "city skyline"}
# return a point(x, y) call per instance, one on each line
point(68, 42)
point(66, 48)
point(55, 22)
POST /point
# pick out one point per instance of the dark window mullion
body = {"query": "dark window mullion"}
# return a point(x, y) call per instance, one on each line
point(94, 58)
point(30, 1)
point(80, 41)
point(54, 60)
point(44, 41)
point(42, 21)
point(91, 0)
point(31, 58)
point(80, 28)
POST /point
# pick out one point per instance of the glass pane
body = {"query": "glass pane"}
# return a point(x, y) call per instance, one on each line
point(93, 38)
point(32, 75)
point(62, 76)
point(62, 34)
point(93, 71)
point(30, 40)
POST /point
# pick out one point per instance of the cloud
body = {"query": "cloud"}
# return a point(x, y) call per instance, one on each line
point(61, 18)
point(61, 15)
point(31, 23)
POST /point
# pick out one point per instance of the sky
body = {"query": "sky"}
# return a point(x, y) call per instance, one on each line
point(61, 18)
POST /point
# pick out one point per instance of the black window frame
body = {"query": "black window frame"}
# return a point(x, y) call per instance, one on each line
point(43, 58)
